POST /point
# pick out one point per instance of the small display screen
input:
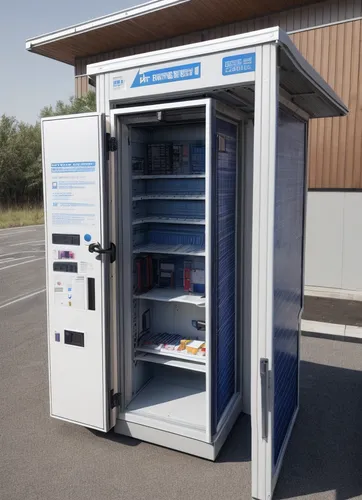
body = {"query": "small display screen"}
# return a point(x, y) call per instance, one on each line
point(66, 239)
point(65, 267)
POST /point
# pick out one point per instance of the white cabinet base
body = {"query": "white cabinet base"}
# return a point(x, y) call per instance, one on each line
point(143, 430)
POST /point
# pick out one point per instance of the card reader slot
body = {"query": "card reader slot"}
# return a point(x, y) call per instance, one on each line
point(91, 294)
point(74, 338)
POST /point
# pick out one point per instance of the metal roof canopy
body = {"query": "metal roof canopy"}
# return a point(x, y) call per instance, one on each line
point(300, 84)
point(150, 22)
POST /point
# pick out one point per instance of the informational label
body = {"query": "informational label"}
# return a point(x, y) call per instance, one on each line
point(85, 267)
point(167, 75)
point(242, 63)
point(73, 186)
point(118, 83)
point(70, 292)
point(73, 166)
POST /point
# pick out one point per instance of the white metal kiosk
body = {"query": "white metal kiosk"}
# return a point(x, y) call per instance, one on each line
point(175, 246)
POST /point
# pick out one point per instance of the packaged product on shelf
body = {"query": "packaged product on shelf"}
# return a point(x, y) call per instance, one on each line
point(195, 346)
point(138, 166)
point(144, 269)
point(159, 158)
point(180, 159)
point(198, 280)
point(197, 158)
point(187, 276)
point(159, 341)
point(171, 346)
point(166, 277)
point(139, 267)
point(152, 344)
point(194, 279)
point(183, 344)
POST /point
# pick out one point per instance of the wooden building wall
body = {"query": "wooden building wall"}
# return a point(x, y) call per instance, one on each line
point(332, 43)
point(335, 160)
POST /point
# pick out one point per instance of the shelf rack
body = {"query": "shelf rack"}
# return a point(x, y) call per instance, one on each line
point(175, 295)
point(193, 250)
point(169, 220)
point(166, 196)
point(170, 176)
point(169, 361)
point(194, 358)
point(188, 188)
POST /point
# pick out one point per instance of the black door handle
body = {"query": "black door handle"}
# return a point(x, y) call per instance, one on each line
point(96, 248)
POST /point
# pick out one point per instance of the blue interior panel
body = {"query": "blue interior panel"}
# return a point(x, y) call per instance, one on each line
point(226, 162)
point(288, 271)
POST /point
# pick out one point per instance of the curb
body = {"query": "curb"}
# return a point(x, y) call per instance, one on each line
point(333, 293)
point(331, 330)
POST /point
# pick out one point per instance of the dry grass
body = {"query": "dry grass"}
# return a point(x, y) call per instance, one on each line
point(21, 216)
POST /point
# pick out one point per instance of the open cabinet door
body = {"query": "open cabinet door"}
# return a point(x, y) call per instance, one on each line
point(279, 193)
point(78, 259)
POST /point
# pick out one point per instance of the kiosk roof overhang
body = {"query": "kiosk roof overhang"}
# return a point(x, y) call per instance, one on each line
point(299, 82)
point(149, 22)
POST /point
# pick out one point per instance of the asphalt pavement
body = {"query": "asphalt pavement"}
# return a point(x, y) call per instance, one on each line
point(22, 270)
point(335, 311)
point(43, 459)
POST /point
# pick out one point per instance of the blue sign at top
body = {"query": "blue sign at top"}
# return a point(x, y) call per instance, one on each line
point(167, 75)
point(240, 63)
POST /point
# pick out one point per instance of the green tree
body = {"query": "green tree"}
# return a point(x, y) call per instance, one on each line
point(84, 104)
point(20, 151)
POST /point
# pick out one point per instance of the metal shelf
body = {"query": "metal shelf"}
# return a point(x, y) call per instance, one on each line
point(169, 220)
point(168, 196)
point(192, 358)
point(173, 295)
point(195, 250)
point(186, 365)
point(171, 176)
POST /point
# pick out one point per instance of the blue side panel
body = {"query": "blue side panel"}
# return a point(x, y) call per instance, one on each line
point(226, 152)
point(288, 271)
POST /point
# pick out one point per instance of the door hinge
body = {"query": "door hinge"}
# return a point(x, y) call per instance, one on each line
point(115, 399)
point(112, 144)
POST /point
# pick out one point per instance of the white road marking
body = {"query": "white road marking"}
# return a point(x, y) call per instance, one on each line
point(20, 264)
point(12, 259)
point(8, 259)
point(22, 251)
point(26, 243)
point(14, 301)
point(19, 229)
point(9, 235)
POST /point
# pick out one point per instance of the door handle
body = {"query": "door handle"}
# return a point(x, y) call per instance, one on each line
point(96, 248)
point(264, 379)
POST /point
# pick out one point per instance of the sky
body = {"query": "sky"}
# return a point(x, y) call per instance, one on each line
point(30, 81)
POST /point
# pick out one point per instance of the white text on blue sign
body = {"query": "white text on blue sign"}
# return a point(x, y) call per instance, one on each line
point(240, 63)
point(73, 167)
point(167, 75)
